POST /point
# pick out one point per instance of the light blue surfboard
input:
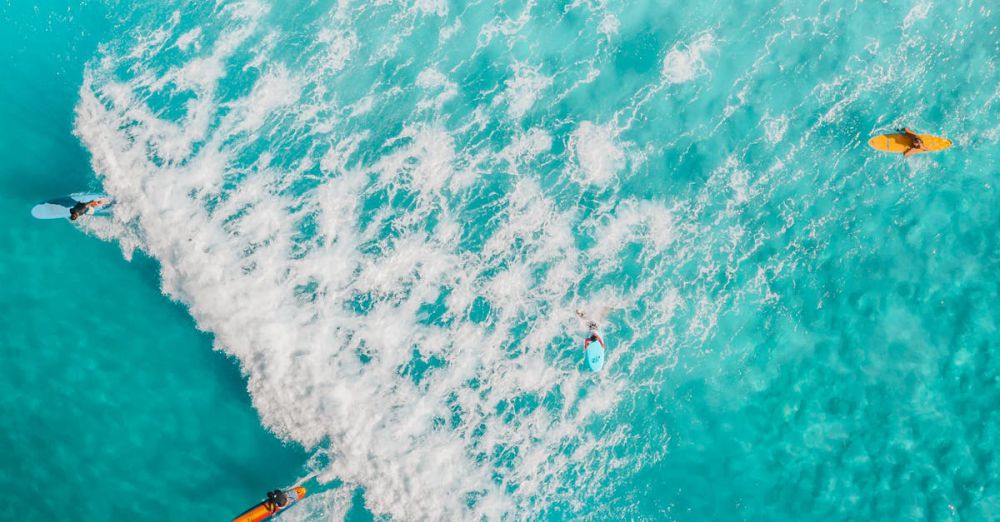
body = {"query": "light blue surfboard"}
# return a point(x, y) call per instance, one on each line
point(59, 207)
point(595, 353)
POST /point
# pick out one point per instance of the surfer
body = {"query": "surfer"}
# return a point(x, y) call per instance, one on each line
point(593, 337)
point(593, 344)
point(276, 500)
point(82, 208)
point(917, 144)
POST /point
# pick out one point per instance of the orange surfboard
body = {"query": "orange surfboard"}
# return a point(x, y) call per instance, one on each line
point(902, 142)
point(261, 511)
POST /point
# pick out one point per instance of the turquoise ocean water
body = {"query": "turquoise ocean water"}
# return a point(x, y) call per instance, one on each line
point(387, 214)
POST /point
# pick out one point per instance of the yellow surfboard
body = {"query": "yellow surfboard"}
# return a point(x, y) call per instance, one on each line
point(901, 143)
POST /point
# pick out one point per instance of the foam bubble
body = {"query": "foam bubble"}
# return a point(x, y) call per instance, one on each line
point(434, 7)
point(340, 46)
point(686, 62)
point(524, 148)
point(775, 128)
point(645, 222)
point(918, 12)
point(326, 505)
point(597, 153)
point(523, 89)
point(432, 79)
point(189, 40)
point(609, 25)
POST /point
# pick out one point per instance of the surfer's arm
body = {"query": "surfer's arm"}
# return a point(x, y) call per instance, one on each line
point(910, 151)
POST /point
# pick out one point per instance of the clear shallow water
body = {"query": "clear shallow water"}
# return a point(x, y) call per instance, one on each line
point(390, 212)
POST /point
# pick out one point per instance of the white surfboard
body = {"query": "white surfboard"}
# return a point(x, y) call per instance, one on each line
point(58, 208)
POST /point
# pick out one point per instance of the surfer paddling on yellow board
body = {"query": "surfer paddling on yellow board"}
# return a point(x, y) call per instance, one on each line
point(84, 208)
point(917, 144)
point(907, 142)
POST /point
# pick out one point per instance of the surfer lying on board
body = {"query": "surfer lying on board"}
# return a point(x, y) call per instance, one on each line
point(83, 208)
point(593, 337)
point(916, 146)
point(276, 500)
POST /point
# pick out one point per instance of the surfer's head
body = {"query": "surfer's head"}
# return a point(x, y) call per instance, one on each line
point(73, 214)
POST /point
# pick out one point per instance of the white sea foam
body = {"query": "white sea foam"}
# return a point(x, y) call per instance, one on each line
point(523, 89)
point(634, 221)
point(431, 80)
point(525, 148)
point(775, 128)
point(609, 25)
point(918, 12)
point(503, 25)
point(435, 7)
point(327, 505)
point(685, 62)
point(189, 40)
point(340, 46)
point(397, 291)
point(598, 154)
point(321, 371)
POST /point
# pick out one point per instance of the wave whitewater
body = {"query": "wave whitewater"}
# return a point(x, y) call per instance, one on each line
point(389, 214)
